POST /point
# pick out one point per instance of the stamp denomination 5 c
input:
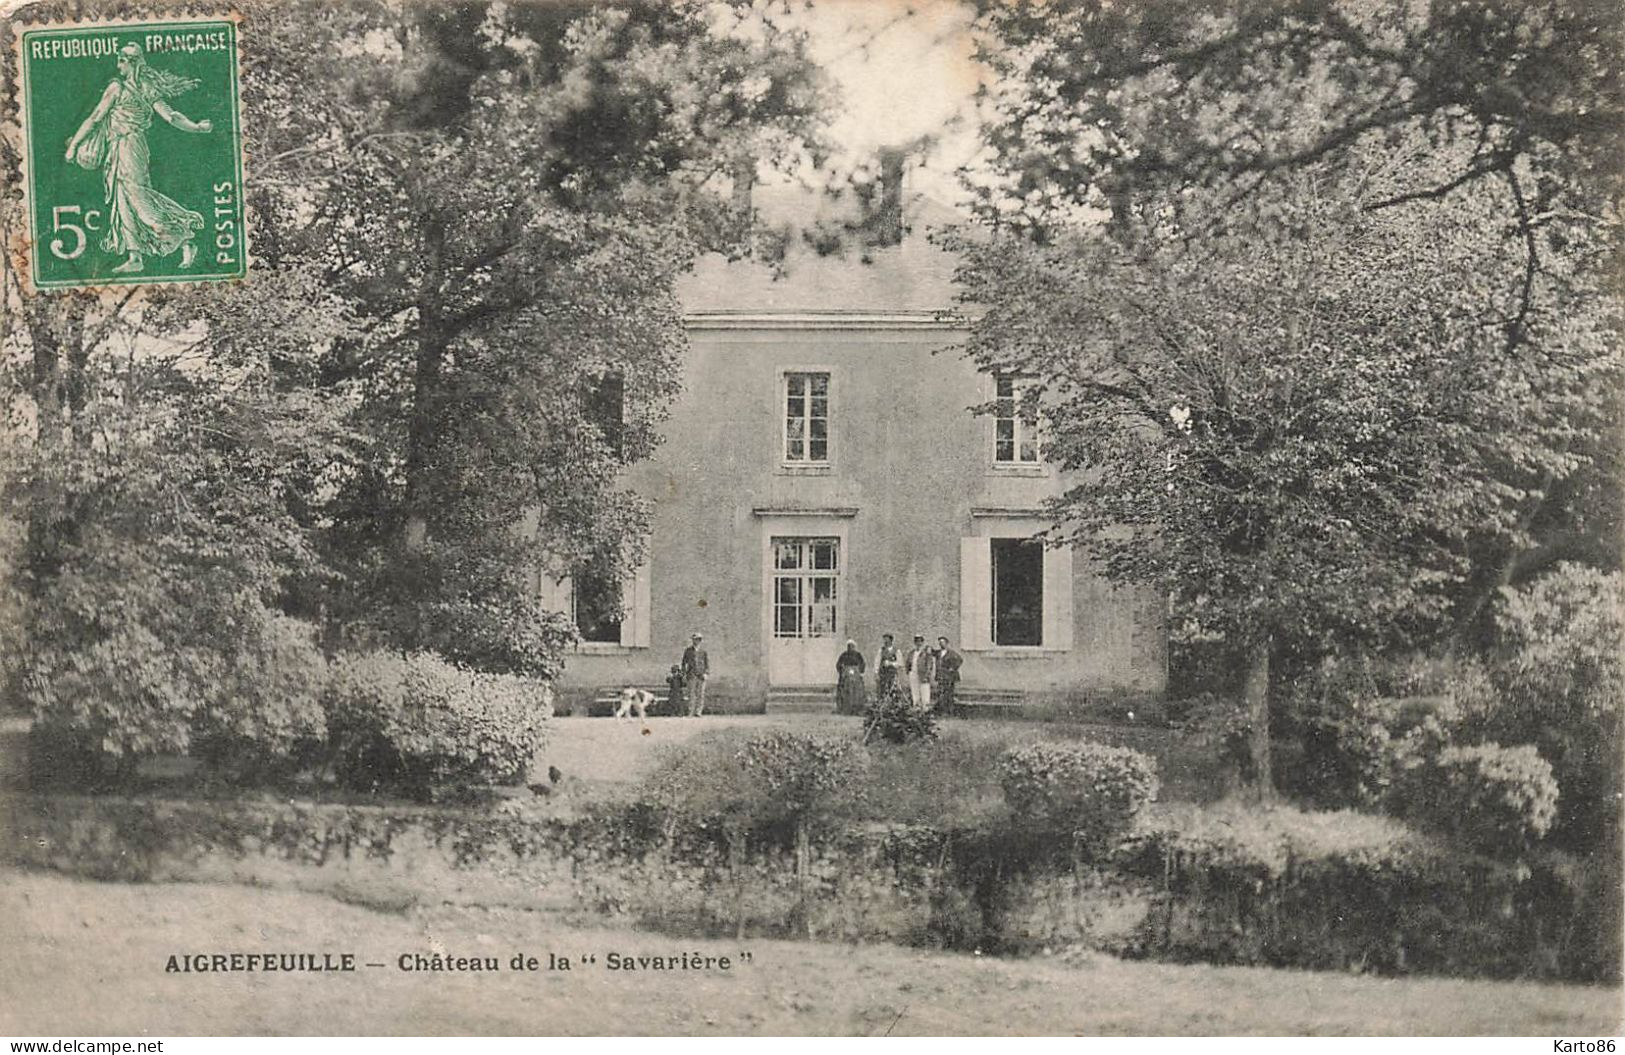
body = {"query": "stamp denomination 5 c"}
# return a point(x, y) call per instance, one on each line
point(134, 160)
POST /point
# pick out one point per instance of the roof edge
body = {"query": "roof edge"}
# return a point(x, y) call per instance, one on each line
point(824, 320)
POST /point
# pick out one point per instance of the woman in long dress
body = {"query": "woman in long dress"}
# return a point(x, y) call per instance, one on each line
point(140, 220)
point(850, 697)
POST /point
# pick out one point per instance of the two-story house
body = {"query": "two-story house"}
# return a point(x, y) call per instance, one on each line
point(822, 478)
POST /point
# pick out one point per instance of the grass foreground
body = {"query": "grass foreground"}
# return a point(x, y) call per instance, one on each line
point(89, 959)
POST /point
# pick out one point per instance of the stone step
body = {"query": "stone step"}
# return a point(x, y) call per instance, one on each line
point(800, 699)
point(977, 702)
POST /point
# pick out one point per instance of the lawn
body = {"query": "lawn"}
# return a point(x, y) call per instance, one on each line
point(69, 938)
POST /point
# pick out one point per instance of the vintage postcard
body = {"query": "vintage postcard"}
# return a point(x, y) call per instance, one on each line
point(816, 518)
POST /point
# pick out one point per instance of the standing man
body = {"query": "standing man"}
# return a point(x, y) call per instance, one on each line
point(922, 671)
point(948, 664)
point(696, 665)
point(886, 663)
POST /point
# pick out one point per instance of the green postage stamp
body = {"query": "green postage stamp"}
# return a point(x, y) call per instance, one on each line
point(133, 152)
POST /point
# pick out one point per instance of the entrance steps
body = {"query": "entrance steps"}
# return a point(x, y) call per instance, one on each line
point(979, 702)
point(801, 699)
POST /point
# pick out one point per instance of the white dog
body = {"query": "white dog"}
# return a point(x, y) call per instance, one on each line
point(639, 700)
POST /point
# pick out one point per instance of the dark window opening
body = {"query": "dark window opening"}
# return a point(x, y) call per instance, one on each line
point(597, 604)
point(606, 409)
point(1018, 591)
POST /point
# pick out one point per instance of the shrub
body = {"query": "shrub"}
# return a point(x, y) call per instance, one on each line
point(246, 702)
point(767, 785)
point(1558, 672)
point(1088, 789)
point(1497, 800)
point(1275, 888)
point(411, 723)
point(1220, 727)
point(896, 720)
point(1360, 722)
point(271, 717)
point(803, 777)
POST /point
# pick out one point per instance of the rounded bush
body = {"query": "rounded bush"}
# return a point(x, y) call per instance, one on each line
point(1495, 799)
point(1088, 789)
point(416, 722)
point(770, 783)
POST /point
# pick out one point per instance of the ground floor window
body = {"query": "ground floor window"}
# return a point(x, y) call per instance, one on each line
point(1014, 591)
point(597, 607)
point(609, 612)
point(1018, 591)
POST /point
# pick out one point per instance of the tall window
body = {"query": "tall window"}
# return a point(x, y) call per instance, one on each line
point(597, 607)
point(806, 419)
point(1018, 591)
point(1015, 430)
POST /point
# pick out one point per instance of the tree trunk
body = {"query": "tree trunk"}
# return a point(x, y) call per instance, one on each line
point(420, 435)
point(1256, 696)
point(736, 865)
point(803, 878)
point(423, 424)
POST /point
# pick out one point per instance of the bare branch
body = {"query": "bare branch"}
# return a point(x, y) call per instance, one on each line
point(1515, 328)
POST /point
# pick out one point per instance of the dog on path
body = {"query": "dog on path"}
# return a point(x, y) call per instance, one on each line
point(631, 699)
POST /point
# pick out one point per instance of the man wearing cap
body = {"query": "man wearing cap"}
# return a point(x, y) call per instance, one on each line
point(922, 670)
point(696, 665)
point(887, 662)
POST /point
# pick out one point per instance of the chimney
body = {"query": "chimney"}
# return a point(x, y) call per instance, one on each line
point(888, 217)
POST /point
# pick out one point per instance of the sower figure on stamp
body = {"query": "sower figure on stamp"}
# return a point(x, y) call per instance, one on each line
point(922, 671)
point(887, 662)
point(696, 666)
point(948, 664)
point(140, 220)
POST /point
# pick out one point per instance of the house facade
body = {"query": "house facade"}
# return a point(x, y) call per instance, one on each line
point(822, 477)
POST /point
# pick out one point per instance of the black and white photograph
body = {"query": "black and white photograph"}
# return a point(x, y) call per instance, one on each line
point(783, 518)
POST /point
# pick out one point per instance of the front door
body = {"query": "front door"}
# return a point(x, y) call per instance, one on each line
point(805, 601)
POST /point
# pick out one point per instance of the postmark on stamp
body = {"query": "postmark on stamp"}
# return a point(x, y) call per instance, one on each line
point(133, 158)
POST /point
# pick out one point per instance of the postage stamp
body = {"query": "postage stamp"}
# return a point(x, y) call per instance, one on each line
point(133, 152)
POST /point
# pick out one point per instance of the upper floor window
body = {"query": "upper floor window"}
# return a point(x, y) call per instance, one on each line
point(806, 418)
point(605, 406)
point(1015, 425)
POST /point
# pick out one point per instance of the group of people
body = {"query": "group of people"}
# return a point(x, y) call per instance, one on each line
point(930, 674)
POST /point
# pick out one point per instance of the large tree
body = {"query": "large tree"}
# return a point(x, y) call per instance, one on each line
point(504, 196)
point(1295, 428)
point(466, 223)
point(1318, 296)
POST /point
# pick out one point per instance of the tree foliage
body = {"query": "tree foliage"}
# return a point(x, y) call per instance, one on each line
point(1317, 298)
point(1103, 100)
point(466, 224)
point(1296, 429)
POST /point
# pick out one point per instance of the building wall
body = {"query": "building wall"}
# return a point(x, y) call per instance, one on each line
point(911, 475)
